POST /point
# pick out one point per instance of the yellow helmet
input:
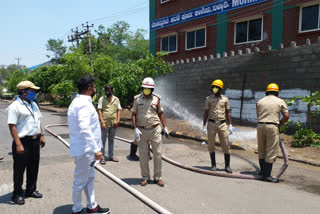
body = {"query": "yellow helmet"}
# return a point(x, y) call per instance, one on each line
point(218, 83)
point(273, 87)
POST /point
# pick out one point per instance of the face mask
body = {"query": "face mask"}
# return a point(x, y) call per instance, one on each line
point(108, 93)
point(94, 98)
point(31, 95)
point(146, 91)
point(93, 92)
point(215, 90)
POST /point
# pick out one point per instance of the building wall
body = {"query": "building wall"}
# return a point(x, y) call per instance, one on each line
point(284, 30)
point(181, 32)
point(295, 70)
point(291, 23)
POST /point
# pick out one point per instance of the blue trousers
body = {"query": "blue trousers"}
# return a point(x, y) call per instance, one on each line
point(109, 132)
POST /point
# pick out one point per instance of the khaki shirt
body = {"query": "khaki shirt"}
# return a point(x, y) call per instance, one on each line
point(269, 108)
point(217, 107)
point(147, 110)
point(109, 109)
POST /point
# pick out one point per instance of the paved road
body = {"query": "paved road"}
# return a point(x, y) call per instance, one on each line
point(184, 192)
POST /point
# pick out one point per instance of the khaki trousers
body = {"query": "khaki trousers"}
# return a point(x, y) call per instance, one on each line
point(222, 130)
point(268, 142)
point(153, 137)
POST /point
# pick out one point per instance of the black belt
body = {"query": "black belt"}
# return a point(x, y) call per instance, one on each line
point(34, 137)
point(216, 121)
point(268, 123)
point(149, 127)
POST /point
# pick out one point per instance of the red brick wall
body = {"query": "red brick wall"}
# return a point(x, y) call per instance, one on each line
point(250, 11)
point(291, 26)
point(181, 30)
point(290, 31)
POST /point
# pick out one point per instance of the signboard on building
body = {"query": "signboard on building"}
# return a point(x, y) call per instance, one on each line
point(221, 6)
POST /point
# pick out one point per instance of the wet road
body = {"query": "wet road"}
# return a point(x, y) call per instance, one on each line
point(184, 191)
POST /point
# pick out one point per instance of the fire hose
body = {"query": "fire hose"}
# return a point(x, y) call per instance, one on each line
point(148, 201)
point(156, 207)
point(221, 174)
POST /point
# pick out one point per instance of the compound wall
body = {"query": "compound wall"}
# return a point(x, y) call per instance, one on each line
point(295, 69)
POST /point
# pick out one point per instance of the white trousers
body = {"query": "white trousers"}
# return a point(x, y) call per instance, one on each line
point(83, 180)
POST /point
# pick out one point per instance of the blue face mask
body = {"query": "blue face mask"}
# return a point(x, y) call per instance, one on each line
point(31, 95)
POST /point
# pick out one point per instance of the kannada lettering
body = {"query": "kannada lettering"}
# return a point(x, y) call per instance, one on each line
point(221, 6)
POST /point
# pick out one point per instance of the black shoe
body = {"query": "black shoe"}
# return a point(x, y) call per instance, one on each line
point(133, 157)
point(228, 169)
point(261, 163)
point(267, 173)
point(17, 199)
point(213, 161)
point(227, 163)
point(271, 179)
point(213, 168)
point(99, 210)
point(83, 211)
point(35, 194)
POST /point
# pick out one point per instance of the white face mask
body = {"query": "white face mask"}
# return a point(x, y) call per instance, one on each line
point(147, 91)
point(215, 90)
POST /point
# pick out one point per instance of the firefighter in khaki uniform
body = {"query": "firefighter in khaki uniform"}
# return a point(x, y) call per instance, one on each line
point(268, 114)
point(216, 109)
point(147, 113)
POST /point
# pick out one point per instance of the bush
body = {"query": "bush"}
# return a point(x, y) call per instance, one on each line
point(305, 138)
point(291, 127)
point(62, 93)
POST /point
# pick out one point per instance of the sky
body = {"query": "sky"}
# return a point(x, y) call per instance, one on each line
point(27, 25)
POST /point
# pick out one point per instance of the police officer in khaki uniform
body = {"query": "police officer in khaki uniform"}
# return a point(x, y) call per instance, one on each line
point(109, 116)
point(216, 109)
point(268, 114)
point(147, 113)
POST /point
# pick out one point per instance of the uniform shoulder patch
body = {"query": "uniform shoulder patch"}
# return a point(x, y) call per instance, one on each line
point(137, 96)
point(209, 96)
point(157, 95)
point(224, 97)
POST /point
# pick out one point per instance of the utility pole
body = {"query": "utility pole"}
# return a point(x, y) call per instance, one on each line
point(18, 61)
point(88, 34)
point(76, 36)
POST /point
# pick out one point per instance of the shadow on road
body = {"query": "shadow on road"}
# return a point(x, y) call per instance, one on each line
point(132, 181)
point(64, 209)
point(6, 199)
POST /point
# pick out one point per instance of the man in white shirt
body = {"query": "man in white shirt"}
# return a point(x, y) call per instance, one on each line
point(24, 124)
point(85, 146)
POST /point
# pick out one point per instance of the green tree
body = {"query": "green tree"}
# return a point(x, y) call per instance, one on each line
point(75, 65)
point(14, 78)
point(45, 77)
point(3, 73)
point(138, 46)
point(56, 47)
point(61, 93)
point(118, 43)
point(119, 33)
